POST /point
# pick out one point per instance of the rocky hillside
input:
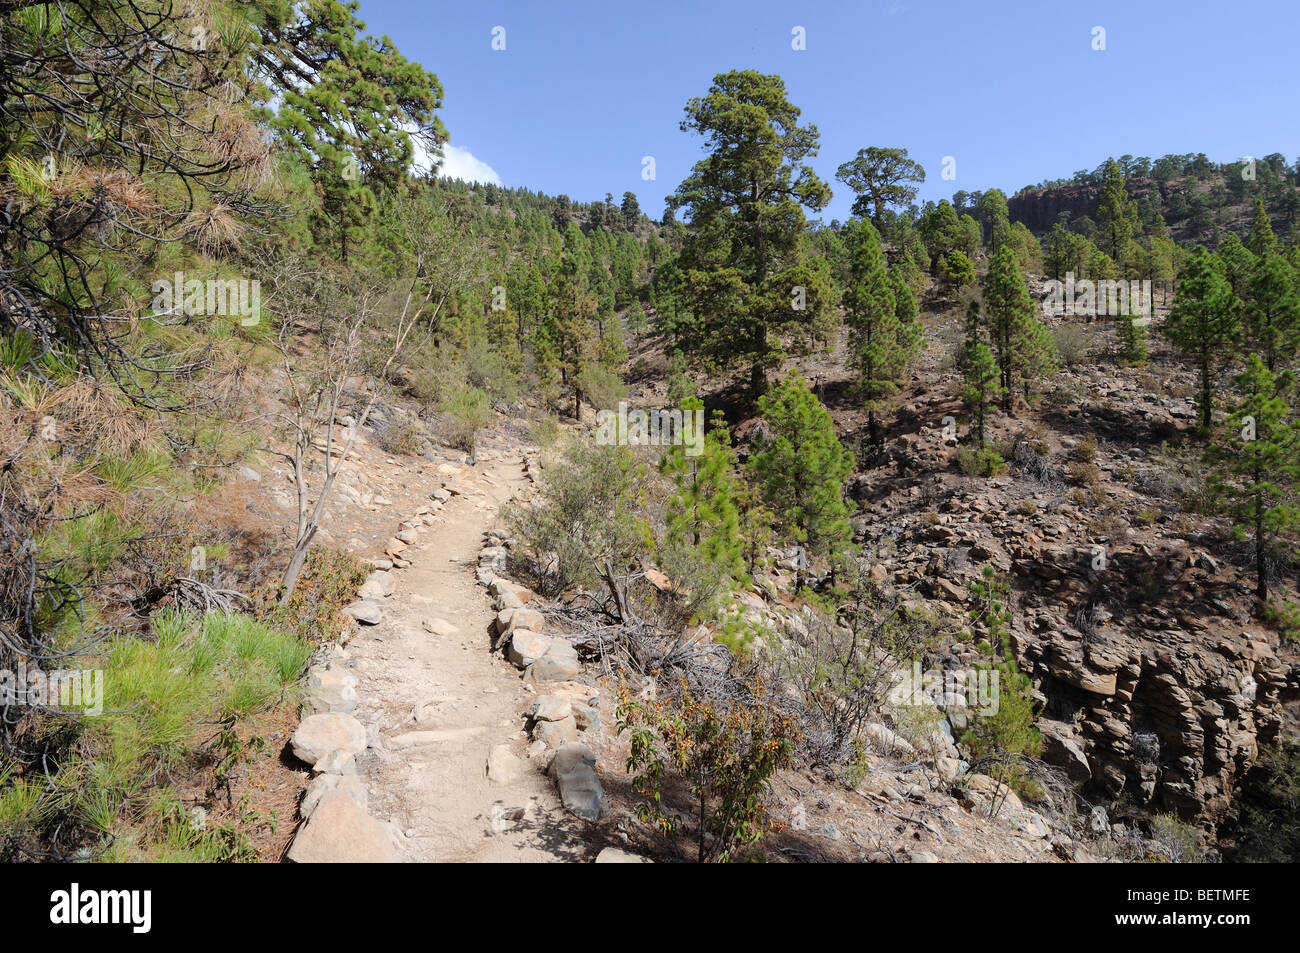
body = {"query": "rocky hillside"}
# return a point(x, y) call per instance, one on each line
point(1133, 609)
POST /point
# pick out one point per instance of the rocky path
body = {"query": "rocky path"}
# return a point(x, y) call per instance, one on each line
point(440, 702)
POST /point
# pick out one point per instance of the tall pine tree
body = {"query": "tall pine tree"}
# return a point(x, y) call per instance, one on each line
point(1020, 342)
point(1273, 309)
point(1257, 459)
point(800, 466)
point(980, 376)
point(1204, 324)
point(747, 284)
point(873, 323)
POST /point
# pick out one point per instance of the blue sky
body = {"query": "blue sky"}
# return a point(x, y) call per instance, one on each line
point(1013, 91)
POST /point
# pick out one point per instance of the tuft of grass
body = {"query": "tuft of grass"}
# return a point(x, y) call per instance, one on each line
point(117, 779)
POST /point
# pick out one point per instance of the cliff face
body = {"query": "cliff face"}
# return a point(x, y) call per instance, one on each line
point(1166, 700)
point(1039, 208)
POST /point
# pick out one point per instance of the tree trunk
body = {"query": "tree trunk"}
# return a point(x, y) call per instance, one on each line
point(1205, 396)
point(1261, 585)
point(289, 581)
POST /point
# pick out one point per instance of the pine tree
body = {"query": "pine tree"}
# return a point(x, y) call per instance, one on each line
point(1021, 343)
point(1133, 345)
point(940, 229)
point(1116, 212)
point(1273, 310)
point(745, 279)
point(981, 378)
point(873, 322)
point(573, 309)
point(701, 513)
point(956, 272)
point(1261, 240)
point(911, 333)
point(1035, 358)
point(1237, 264)
point(996, 219)
point(881, 177)
point(631, 210)
point(1204, 324)
point(1062, 252)
point(756, 522)
point(350, 106)
point(1257, 458)
point(800, 467)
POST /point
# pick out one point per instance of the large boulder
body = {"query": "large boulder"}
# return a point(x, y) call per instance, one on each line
point(340, 832)
point(526, 647)
point(573, 769)
point(521, 618)
point(378, 585)
point(559, 664)
point(322, 734)
point(556, 733)
point(550, 708)
point(331, 689)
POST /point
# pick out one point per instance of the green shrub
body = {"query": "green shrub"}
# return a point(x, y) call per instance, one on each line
point(544, 431)
point(1270, 815)
point(1176, 840)
point(724, 753)
point(980, 463)
point(117, 773)
point(401, 434)
point(1133, 347)
point(999, 742)
point(589, 512)
point(1083, 474)
point(601, 386)
point(464, 413)
point(329, 581)
point(1072, 344)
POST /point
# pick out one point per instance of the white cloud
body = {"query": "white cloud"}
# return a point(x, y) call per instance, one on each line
point(457, 163)
point(460, 163)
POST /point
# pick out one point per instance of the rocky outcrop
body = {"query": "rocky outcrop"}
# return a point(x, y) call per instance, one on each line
point(1157, 686)
point(1167, 707)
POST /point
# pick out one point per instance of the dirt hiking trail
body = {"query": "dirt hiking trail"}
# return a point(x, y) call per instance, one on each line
point(441, 701)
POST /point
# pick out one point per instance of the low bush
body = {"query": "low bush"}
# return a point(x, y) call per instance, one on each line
point(980, 463)
point(723, 753)
point(464, 413)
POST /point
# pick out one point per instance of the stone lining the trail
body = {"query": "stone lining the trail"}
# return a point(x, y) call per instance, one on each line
point(563, 709)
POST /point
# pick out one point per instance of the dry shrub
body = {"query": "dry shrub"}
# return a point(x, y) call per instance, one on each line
point(400, 434)
point(236, 141)
point(214, 231)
